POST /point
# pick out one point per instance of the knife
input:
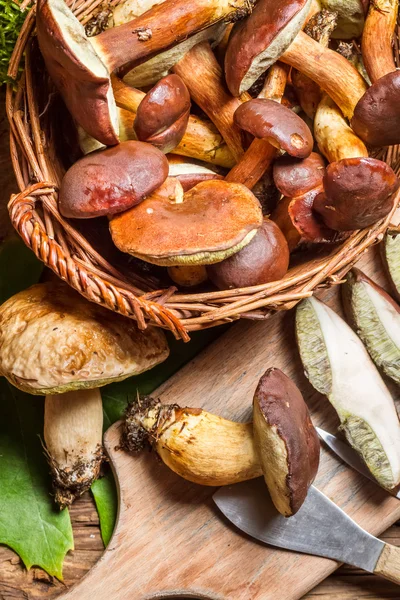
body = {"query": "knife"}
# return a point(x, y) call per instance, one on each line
point(350, 457)
point(320, 528)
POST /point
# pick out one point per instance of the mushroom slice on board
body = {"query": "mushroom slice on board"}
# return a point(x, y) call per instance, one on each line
point(338, 366)
point(195, 444)
point(286, 441)
point(163, 114)
point(280, 126)
point(208, 223)
point(56, 343)
point(80, 66)
point(357, 193)
point(264, 259)
point(390, 252)
point(375, 317)
point(109, 181)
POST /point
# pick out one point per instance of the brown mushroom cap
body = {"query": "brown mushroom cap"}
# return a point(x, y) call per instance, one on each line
point(214, 220)
point(163, 114)
point(295, 177)
point(298, 222)
point(109, 181)
point(189, 173)
point(54, 341)
point(265, 259)
point(280, 126)
point(77, 71)
point(286, 440)
point(358, 193)
point(258, 41)
point(376, 118)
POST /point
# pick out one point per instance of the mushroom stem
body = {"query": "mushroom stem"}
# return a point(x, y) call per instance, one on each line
point(200, 71)
point(335, 139)
point(201, 140)
point(260, 154)
point(334, 74)
point(377, 38)
point(195, 444)
point(161, 27)
point(73, 426)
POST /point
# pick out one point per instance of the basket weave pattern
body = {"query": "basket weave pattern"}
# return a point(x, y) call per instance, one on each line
point(55, 241)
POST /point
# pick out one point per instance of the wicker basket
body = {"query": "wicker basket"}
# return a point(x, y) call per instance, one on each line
point(62, 248)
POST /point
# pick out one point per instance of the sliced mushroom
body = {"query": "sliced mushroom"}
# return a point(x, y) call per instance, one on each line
point(209, 223)
point(357, 193)
point(338, 366)
point(375, 317)
point(109, 181)
point(80, 66)
point(163, 114)
point(280, 126)
point(264, 259)
point(56, 343)
point(286, 441)
point(390, 250)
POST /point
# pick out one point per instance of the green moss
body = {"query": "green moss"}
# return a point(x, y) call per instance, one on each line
point(11, 20)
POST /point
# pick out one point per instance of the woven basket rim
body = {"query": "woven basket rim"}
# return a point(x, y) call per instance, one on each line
point(34, 214)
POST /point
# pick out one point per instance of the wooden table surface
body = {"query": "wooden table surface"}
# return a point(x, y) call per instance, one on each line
point(16, 584)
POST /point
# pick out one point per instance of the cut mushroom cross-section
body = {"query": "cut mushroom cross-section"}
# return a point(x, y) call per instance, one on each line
point(208, 223)
point(80, 66)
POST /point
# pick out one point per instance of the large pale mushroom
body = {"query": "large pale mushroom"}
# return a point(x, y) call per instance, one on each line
point(56, 343)
point(80, 66)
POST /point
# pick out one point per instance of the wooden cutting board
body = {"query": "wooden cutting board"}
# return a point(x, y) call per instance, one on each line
point(170, 540)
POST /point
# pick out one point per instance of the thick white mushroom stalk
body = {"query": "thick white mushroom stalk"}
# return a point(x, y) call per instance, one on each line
point(73, 428)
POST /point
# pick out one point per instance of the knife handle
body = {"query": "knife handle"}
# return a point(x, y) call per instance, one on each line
point(388, 564)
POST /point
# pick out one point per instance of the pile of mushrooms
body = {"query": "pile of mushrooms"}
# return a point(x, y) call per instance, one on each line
point(186, 113)
point(57, 344)
point(281, 443)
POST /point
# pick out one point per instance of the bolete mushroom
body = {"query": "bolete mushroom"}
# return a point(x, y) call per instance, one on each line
point(264, 259)
point(272, 32)
point(208, 223)
point(109, 181)
point(376, 117)
point(189, 173)
point(286, 441)
point(80, 66)
point(280, 126)
point(351, 17)
point(190, 276)
point(56, 343)
point(163, 114)
point(358, 192)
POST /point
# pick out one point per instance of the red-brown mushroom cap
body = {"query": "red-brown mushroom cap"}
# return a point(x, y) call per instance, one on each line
point(286, 440)
point(77, 71)
point(109, 181)
point(189, 173)
point(295, 177)
point(210, 222)
point(280, 126)
point(298, 222)
point(376, 118)
point(258, 41)
point(358, 192)
point(163, 114)
point(265, 259)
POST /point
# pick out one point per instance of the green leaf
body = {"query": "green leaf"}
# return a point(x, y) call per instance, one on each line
point(117, 395)
point(105, 496)
point(11, 20)
point(29, 522)
point(19, 267)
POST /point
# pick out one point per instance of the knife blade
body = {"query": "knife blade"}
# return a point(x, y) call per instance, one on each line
point(320, 527)
point(350, 457)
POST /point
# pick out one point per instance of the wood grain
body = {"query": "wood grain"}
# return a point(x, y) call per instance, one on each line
point(17, 584)
point(388, 564)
